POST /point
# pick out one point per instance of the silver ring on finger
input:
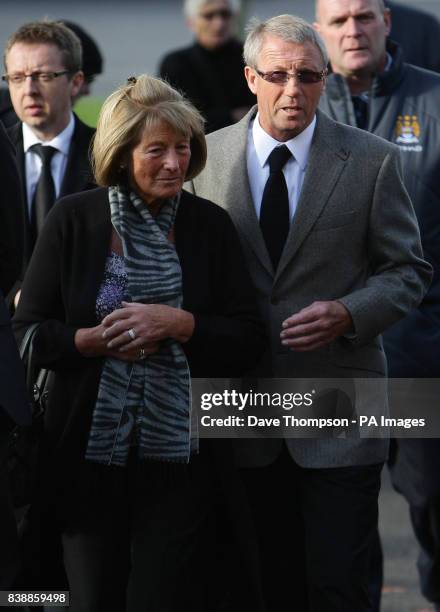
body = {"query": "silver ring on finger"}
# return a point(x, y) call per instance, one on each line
point(131, 333)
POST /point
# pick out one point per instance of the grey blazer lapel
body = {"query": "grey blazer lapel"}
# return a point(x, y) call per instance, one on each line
point(238, 196)
point(326, 162)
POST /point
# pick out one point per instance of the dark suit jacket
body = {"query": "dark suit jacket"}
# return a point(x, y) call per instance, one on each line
point(62, 282)
point(14, 405)
point(11, 220)
point(78, 175)
point(7, 113)
point(14, 402)
point(14, 409)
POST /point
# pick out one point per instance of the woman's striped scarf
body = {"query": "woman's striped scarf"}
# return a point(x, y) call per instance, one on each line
point(148, 402)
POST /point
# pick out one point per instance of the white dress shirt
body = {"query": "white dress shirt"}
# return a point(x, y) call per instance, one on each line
point(260, 145)
point(33, 161)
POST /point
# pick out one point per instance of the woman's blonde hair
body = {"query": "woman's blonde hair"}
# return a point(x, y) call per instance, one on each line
point(142, 104)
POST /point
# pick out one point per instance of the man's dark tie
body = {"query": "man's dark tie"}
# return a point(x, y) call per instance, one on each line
point(44, 195)
point(361, 111)
point(274, 214)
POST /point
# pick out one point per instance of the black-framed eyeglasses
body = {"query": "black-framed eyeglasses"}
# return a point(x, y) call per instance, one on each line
point(40, 77)
point(222, 13)
point(280, 77)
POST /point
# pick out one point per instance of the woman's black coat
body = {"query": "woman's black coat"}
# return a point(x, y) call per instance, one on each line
point(62, 283)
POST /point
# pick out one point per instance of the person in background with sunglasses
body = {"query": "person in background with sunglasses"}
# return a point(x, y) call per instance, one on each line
point(210, 71)
point(332, 244)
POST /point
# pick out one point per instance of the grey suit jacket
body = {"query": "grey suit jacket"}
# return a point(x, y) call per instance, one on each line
point(354, 238)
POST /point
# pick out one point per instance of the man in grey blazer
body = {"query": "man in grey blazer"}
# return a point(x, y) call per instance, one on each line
point(348, 265)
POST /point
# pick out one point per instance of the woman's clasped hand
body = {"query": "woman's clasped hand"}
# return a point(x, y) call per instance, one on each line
point(149, 325)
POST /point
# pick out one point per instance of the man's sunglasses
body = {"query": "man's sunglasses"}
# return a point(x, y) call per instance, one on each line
point(306, 77)
point(221, 13)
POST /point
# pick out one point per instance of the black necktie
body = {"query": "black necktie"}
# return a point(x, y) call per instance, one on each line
point(361, 111)
point(44, 195)
point(274, 214)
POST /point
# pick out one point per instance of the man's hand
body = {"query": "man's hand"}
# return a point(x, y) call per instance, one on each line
point(315, 326)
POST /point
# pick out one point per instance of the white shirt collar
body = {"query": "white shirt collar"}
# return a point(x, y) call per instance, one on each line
point(298, 146)
point(61, 142)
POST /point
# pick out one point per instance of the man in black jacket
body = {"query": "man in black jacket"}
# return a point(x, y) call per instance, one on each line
point(43, 71)
point(14, 406)
point(371, 87)
point(211, 71)
point(418, 33)
point(11, 220)
point(14, 410)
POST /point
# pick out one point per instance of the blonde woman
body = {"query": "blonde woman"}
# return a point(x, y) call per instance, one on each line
point(138, 285)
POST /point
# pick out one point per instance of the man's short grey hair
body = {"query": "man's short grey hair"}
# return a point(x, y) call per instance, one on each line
point(191, 8)
point(287, 27)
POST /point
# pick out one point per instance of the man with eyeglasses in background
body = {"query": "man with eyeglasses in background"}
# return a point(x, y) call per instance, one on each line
point(332, 244)
point(43, 70)
point(92, 66)
point(210, 71)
